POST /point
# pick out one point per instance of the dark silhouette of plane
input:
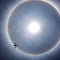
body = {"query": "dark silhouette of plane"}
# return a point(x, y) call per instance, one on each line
point(15, 45)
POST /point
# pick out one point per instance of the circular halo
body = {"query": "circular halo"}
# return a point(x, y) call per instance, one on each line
point(52, 48)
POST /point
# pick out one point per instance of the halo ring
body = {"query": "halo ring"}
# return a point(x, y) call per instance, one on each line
point(12, 10)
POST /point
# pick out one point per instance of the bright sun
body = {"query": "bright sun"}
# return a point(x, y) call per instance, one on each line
point(34, 27)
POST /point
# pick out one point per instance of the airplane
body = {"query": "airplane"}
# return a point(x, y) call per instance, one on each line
point(15, 45)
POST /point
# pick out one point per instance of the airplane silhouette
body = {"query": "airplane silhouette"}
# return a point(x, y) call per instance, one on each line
point(15, 45)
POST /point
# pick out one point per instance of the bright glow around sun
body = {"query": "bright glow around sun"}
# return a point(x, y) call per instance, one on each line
point(34, 27)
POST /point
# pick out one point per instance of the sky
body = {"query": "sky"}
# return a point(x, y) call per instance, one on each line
point(18, 33)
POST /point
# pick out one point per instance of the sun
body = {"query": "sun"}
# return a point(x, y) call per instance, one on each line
point(34, 27)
